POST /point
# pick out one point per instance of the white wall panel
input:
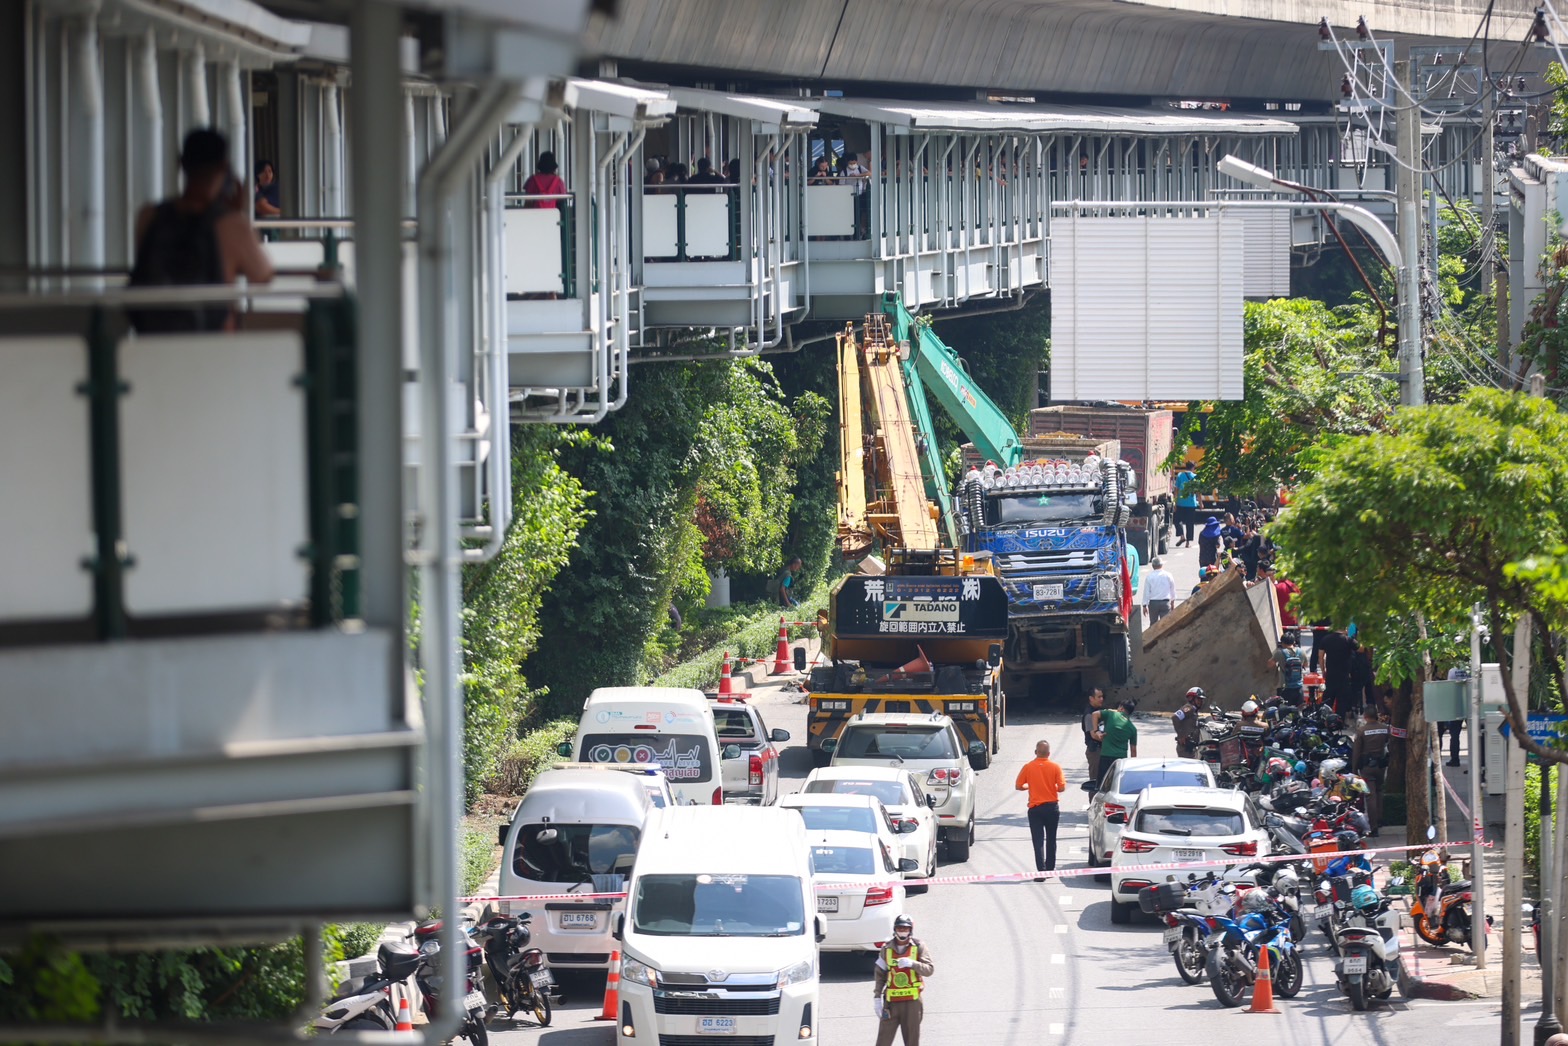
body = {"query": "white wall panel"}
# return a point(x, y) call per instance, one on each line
point(1146, 308)
point(1266, 262)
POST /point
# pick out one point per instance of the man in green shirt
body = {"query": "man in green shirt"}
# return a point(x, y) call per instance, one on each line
point(1117, 735)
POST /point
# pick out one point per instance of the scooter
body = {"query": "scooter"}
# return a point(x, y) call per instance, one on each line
point(475, 1006)
point(370, 1003)
point(1368, 947)
point(1441, 908)
point(520, 973)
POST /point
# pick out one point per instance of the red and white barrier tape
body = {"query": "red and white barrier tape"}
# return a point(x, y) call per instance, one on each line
point(1478, 833)
point(1002, 877)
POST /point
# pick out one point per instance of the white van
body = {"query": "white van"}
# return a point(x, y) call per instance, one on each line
point(671, 726)
point(721, 929)
point(576, 830)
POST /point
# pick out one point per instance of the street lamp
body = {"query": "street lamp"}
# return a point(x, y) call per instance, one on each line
point(1411, 376)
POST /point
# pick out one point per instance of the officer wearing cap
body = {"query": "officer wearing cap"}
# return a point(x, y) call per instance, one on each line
point(1369, 758)
point(902, 968)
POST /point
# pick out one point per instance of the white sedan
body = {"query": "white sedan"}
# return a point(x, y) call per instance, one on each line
point(1108, 808)
point(904, 795)
point(859, 893)
point(1209, 827)
point(835, 812)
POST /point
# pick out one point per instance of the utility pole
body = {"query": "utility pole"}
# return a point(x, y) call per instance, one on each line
point(1477, 743)
point(1488, 183)
point(1547, 1024)
point(1513, 848)
point(1412, 344)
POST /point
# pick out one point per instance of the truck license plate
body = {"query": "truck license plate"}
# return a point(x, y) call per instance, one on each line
point(1354, 964)
point(1044, 592)
point(579, 920)
point(827, 904)
point(716, 1025)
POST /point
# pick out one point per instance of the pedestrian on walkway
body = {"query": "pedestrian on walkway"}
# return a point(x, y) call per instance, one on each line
point(1452, 727)
point(1369, 758)
point(901, 970)
point(1091, 743)
point(1186, 503)
point(1118, 736)
point(1332, 653)
point(1044, 782)
point(1159, 588)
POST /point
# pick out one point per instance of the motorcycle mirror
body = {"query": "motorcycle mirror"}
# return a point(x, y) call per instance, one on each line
point(1431, 832)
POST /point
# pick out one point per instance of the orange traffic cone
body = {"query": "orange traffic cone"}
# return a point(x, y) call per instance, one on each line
point(1263, 987)
point(612, 990)
point(404, 1021)
point(781, 656)
point(726, 693)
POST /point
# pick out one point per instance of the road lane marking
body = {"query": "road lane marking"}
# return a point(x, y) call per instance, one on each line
point(1061, 927)
point(1058, 1029)
point(1058, 960)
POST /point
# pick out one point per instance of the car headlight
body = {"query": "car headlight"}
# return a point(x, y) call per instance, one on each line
point(801, 971)
point(638, 972)
point(1107, 588)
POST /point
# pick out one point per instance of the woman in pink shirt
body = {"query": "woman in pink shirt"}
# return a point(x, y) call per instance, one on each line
point(544, 182)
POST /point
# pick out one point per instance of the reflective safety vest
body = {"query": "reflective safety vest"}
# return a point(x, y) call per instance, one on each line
point(901, 984)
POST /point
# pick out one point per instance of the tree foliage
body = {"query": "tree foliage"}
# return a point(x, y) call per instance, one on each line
point(1454, 505)
point(1004, 353)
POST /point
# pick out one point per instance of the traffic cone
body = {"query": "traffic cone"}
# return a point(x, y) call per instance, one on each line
point(612, 990)
point(781, 656)
point(404, 1020)
point(1263, 986)
point(726, 693)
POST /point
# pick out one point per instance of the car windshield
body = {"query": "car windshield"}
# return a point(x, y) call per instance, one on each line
point(897, 742)
point(700, 905)
point(1044, 508)
point(683, 757)
point(842, 860)
point(838, 818)
point(572, 853)
point(890, 792)
point(733, 724)
point(1134, 781)
point(1190, 822)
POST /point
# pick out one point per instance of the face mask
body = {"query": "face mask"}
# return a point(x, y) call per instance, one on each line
point(902, 935)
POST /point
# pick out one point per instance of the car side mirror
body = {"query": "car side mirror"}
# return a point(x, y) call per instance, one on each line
point(1115, 818)
point(800, 659)
point(829, 745)
point(821, 934)
point(779, 735)
point(977, 760)
point(977, 748)
point(908, 864)
point(930, 800)
point(993, 655)
point(502, 830)
point(908, 827)
point(731, 752)
point(619, 933)
point(564, 749)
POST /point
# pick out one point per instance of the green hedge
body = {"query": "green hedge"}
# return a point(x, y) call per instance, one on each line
point(523, 758)
point(757, 639)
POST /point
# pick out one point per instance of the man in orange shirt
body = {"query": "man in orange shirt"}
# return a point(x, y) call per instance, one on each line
point(1044, 782)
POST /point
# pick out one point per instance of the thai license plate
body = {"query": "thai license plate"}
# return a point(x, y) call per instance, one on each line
point(1321, 913)
point(579, 920)
point(1172, 934)
point(1354, 964)
point(827, 904)
point(542, 979)
point(474, 1002)
point(1188, 855)
point(715, 1025)
point(1044, 592)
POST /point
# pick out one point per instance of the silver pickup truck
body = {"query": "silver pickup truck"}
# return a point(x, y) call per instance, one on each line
point(750, 767)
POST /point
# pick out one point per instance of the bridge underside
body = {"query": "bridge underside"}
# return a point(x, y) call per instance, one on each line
point(1249, 49)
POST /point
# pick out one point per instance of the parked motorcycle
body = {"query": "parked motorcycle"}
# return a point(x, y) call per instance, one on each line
point(475, 1007)
point(370, 1003)
point(520, 973)
point(1368, 945)
point(1234, 946)
point(1441, 906)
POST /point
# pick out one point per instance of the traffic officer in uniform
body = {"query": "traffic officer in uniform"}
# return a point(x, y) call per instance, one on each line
point(1369, 759)
point(1186, 723)
point(902, 968)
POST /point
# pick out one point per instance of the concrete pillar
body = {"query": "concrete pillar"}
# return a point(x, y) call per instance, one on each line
point(193, 76)
point(85, 213)
point(147, 106)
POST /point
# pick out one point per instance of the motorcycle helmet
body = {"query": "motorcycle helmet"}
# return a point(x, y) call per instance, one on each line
point(1354, 784)
point(1331, 767)
point(1276, 769)
point(903, 922)
point(1255, 902)
point(1348, 839)
point(1364, 898)
point(1300, 768)
point(1249, 707)
point(1196, 695)
point(1286, 881)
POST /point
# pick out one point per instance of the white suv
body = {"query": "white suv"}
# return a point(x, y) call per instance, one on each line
point(1215, 826)
point(927, 745)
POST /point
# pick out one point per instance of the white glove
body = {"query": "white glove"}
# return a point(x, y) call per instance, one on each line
point(876, 1007)
point(904, 963)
